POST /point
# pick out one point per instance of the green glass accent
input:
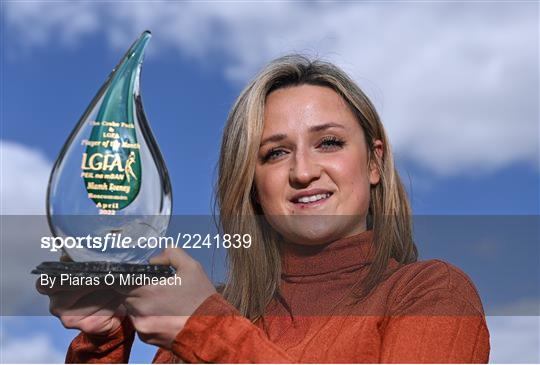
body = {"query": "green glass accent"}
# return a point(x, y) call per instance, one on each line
point(111, 165)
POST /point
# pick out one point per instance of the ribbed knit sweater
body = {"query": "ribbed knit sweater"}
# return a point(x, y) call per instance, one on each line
point(427, 311)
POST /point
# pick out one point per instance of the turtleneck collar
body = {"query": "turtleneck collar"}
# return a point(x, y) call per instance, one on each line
point(305, 260)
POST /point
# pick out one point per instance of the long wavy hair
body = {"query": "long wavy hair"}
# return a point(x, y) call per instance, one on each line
point(254, 274)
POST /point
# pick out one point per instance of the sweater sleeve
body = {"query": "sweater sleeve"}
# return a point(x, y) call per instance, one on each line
point(114, 348)
point(217, 332)
point(436, 317)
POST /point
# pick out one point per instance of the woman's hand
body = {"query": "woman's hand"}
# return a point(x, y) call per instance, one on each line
point(159, 312)
point(93, 310)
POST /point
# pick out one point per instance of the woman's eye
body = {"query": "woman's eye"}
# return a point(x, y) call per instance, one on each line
point(330, 143)
point(273, 154)
point(327, 143)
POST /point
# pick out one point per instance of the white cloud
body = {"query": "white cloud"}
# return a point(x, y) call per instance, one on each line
point(64, 23)
point(33, 348)
point(515, 332)
point(24, 174)
point(514, 339)
point(455, 83)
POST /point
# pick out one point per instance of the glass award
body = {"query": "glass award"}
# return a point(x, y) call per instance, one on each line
point(109, 189)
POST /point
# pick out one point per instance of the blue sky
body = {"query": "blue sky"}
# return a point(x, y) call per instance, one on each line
point(455, 84)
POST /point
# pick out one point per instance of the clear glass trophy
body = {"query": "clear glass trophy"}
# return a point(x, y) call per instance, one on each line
point(110, 181)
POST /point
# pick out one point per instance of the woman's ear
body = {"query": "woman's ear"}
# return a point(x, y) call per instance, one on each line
point(375, 162)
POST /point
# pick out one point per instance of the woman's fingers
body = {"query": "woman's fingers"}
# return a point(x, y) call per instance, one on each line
point(62, 301)
point(42, 289)
point(94, 309)
point(97, 303)
point(175, 257)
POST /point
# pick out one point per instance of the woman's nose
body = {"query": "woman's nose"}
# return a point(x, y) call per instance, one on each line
point(304, 170)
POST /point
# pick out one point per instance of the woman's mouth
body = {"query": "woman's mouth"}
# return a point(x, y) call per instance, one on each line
point(310, 201)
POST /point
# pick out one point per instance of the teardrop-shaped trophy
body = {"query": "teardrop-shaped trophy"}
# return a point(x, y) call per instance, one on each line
point(110, 182)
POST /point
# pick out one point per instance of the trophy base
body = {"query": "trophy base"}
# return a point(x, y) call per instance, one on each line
point(101, 269)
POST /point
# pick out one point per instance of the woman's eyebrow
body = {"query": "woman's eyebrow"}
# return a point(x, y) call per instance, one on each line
point(273, 138)
point(316, 128)
point(322, 127)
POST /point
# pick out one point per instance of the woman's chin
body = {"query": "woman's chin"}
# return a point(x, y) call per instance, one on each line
point(312, 230)
point(315, 229)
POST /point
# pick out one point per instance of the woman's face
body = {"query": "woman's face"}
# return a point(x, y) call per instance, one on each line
point(312, 176)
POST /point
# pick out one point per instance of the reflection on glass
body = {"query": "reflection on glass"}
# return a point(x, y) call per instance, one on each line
point(110, 176)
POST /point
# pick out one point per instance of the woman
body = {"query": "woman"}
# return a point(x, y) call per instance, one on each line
point(332, 275)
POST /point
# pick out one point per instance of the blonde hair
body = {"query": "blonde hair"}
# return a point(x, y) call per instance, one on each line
point(254, 273)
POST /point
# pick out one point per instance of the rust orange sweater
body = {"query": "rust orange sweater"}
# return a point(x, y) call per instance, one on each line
point(428, 311)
